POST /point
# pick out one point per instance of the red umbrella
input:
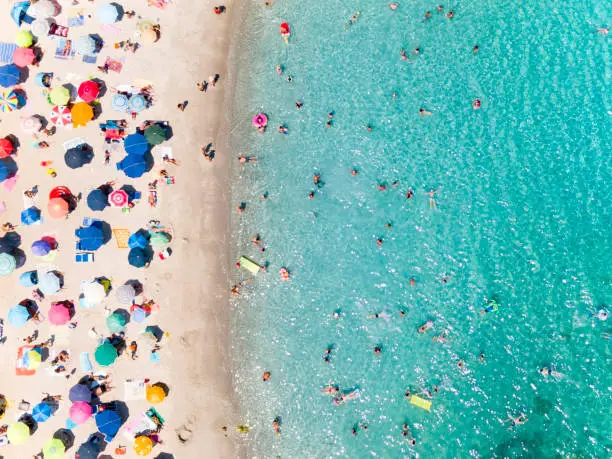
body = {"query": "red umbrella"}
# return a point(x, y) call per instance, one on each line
point(89, 90)
point(6, 148)
point(22, 57)
point(59, 192)
point(61, 116)
point(59, 314)
point(118, 198)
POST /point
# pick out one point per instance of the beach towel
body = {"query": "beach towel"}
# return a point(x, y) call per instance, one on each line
point(90, 59)
point(121, 236)
point(134, 389)
point(114, 65)
point(6, 52)
point(20, 368)
point(58, 30)
point(161, 4)
point(86, 366)
point(64, 50)
point(77, 20)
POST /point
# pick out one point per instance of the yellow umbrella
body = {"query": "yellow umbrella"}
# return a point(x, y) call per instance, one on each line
point(60, 95)
point(81, 113)
point(33, 359)
point(143, 445)
point(18, 433)
point(155, 395)
point(145, 24)
point(24, 38)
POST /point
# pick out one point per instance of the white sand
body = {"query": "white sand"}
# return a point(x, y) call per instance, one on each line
point(191, 286)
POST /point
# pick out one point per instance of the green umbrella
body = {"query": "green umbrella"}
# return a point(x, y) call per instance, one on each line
point(54, 449)
point(155, 134)
point(7, 264)
point(106, 354)
point(115, 323)
point(18, 433)
point(159, 239)
point(59, 95)
point(24, 38)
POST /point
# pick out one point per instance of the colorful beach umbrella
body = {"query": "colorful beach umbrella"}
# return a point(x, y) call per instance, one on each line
point(43, 9)
point(28, 278)
point(49, 283)
point(135, 144)
point(9, 75)
point(80, 412)
point(125, 294)
point(7, 264)
point(90, 238)
point(54, 449)
point(115, 323)
point(9, 101)
point(118, 198)
point(137, 103)
point(108, 422)
point(58, 208)
point(31, 124)
point(105, 355)
point(119, 102)
point(155, 394)
point(42, 412)
point(18, 433)
point(80, 393)
point(93, 292)
point(61, 116)
point(89, 90)
point(60, 95)
point(78, 156)
point(155, 134)
point(134, 166)
point(82, 113)
point(24, 38)
point(108, 13)
point(30, 216)
point(40, 248)
point(59, 313)
point(18, 315)
point(6, 148)
point(143, 445)
point(33, 359)
point(85, 45)
point(22, 57)
point(97, 200)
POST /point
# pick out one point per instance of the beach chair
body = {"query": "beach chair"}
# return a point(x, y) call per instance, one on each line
point(84, 257)
point(88, 221)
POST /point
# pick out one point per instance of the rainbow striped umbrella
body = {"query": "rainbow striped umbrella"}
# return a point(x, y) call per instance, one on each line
point(9, 101)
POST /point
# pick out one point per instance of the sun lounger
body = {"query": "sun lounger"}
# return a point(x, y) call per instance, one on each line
point(73, 143)
point(84, 257)
point(6, 52)
point(249, 265)
point(85, 362)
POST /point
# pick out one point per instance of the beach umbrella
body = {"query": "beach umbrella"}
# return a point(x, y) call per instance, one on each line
point(90, 238)
point(97, 200)
point(29, 279)
point(24, 38)
point(40, 27)
point(49, 283)
point(135, 144)
point(30, 124)
point(118, 198)
point(84, 45)
point(78, 156)
point(42, 412)
point(134, 166)
point(7, 264)
point(33, 358)
point(41, 248)
point(30, 216)
point(155, 134)
point(115, 323)
point(54, 449)
point(143, 445)
point(43, 9)
point(108, 13)
point(105, 355)
point(18, 433)
point(19, 13)
point(125, 294)
point(22, 57)
point(94, 292)
point(58, 208)
point(90, 449)
point(80, 393)
point(9, 101)
point(89, 90)
point(139, 315)
point(82, 113)
point(60, 95)
point(108, 422)
point(119, 102)
point(155, 394)
point(139, 257)
point(80, 412)
point(137, 103)
point(59, 314)
point(61, 116)
point(5, 172)
point(6, 148)
point(18, 315)
point(148, 36)
point(9, 75)
point(159, 239)
point(139, 239)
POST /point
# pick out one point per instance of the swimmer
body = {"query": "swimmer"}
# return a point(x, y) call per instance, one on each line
point(412, 281)
point(284, 274)
point(432, 199)
point(311, 195)
point(352, 20)
point(441, 338)
point(379, 241)
point(408, 435)
point(492, 306)
point(264, 196)
point(377, 350)
point(476, 104)
point(450, 15)
point(481, 358)
point(409, 193)
point(388, 225)
point(426, 326)
point(517, 421)
point(381, 186)
point(244, 159)
point(282, 129)
point(476, 49)
point(440, 8)
point(235, 291)
point(403, 55)
point(241, 207)
point(545, 371)
point(603, 31)
point(290, 79)
point(407, 394)
point(337, 314)
point(354, 172)
point(299, 104)
point(402, 313)
point(416, 51)
point(330, 115)
point(266, 376)
point(328, 124)
point(330, 389)
point(378, 315)
point(256, 240)
point(461, 364)
point(316, 179)
point(279, 69)
point(602, 314)
point(427, 16)
point(369, 128)
point(393, 6)
point(423, 112)
point(276, 425)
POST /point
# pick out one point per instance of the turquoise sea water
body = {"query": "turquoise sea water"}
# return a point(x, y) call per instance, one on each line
point(523, 215)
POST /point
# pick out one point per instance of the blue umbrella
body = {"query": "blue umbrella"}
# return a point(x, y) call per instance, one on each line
point(9, 75)
point(133, 166)
point(29, 279)
point(41, 412)
point(136, 144)
point(91, 238)
point(139, 257)
point(49, 283)
point(119, 102)
point(4, 172)
point(78, 156)
point(19, 15)
point(139, 239)
point(108, 13)
point(108, 422)
point(137, 103)
point(18, 315)
point(80, 393)
point(41, 248)
point(85, 45)
point(90, 449)
point(139, 315)
point(30, 216)
point(97, 200)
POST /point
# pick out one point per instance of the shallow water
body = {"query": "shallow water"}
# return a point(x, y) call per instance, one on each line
point(522, 215)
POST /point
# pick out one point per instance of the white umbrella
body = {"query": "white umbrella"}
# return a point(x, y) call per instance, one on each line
point(43, 9)
point(49, 283)
point(31, 124)
point(93, 292)
point(126, 294)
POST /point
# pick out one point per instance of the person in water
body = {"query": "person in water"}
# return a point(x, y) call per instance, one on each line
point(423, 112)
point(266, 376)
point(517, 421)
point(426, 326)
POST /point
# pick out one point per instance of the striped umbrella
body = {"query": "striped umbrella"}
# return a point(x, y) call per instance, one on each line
point(118, 198)
point(31, 124)
point(9, 101)
point(61, 115)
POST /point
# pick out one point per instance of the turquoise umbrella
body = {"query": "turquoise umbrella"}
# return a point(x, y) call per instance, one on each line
point(18, 315)
point(7, 264)
point(115, 323)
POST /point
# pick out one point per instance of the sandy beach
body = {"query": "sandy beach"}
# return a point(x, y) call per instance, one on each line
point(191, 286)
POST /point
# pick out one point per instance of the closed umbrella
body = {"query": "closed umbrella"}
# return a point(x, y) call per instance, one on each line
point(134, 166)
point(79, 393)
point(85, 45)
point(6, 148)
point(108, 422)
point(43, 9)
point(159, 239)
point(97, 200)
point(82, 113)
point(90, 238)
point(93, 292)
point(135, 144)
point(49, 283)
point(108, 13)
point(9, 101)
point(54, 449)
point(41, 248)
point(139, 257)
point(58, 208)
point(18, 315)
point(61, 116)
point(125, 294)
point(29, 279)
point(22, 57)
point(9, 75)
point(18, 433)
point(59, 314)
point(30, 216)
point(89, 90)
point(78, 157)
point(119, 102)
point(137, 103)
point(60, 95)
point(7, 264)
point(143, 445)
point(105, 355)
point(30, 124)
point(42, 412)
point(155, 134)
point(80, 412)
point(155, 394)
point(24, 38)
point(118, 198)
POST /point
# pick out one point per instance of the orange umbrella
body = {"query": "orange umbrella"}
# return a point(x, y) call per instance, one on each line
point(58, 207)
point(155, 394)
point(81, 113)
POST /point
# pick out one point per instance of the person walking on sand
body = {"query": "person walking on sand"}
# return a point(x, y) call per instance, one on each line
point(133, 350)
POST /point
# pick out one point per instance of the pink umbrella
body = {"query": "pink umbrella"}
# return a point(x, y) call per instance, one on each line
point(61, 115)
point(80, 412)
point(260, 120)
point(89, 90)
point(59, 314)
point(22, 57)
point(118, 198)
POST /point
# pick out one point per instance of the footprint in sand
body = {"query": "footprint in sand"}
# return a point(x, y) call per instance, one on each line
point(184, 433)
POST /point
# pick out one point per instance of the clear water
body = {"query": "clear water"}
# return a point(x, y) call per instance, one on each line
point(523, 214)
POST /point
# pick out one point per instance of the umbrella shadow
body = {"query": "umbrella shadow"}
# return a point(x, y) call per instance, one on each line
point(102, 88)
point(29, 421)
point(72, 89)
point(123, 410)
point(66, 437)
point(22, 98)
point(136, 285)
point(30, 305)
point(149, 161)
point(99, 42)
point(157, 332)
point(24, 74)
point(10, 240)
point(97, 110)
point(15, 141)
point(60, 276)
point(20, 258)
point(107, 232)
point(124, 314)
point(120, 10)
point(130, 190)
